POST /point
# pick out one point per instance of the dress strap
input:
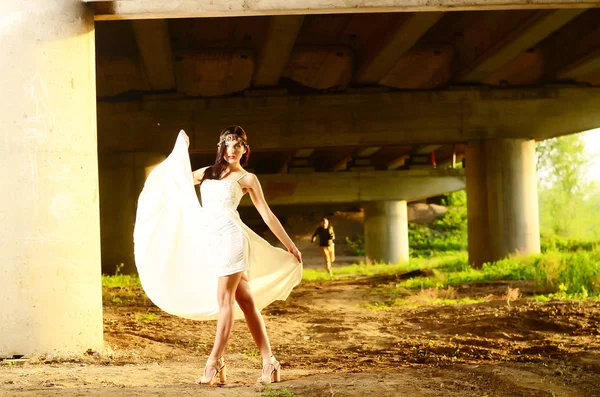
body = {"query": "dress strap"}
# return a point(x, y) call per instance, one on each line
point(240, 178)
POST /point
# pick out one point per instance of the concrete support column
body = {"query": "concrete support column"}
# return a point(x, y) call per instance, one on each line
point(512, 197)
point(122, 177)
point(51, 300)
point(502, 202)
point(386, 232)
point(477, 204)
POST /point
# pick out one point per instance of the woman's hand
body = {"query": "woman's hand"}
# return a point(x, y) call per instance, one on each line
point(185, 137)
point(294, 251)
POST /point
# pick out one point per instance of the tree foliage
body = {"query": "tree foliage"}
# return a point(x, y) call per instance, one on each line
point(569, 202)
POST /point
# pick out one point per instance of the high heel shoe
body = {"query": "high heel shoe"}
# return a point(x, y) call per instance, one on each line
point(220, 369)
point(271, 371)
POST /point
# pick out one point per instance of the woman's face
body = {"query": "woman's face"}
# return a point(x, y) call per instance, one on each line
point(234, 150)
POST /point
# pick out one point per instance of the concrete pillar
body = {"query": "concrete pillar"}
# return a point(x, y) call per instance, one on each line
point(386, 232)
point(512, 197)
point(502, 202)
point(477, 204)
point(122, 177)
point(51, 299)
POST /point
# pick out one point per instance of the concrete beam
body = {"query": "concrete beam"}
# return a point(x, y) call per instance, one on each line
point(276, 51)
point(427, 149)
point(391, 157)
point(449, 155)
point(398, 162)
point(367, 152)
point(357, 187)
point(540, 26)
point(403, 39)
point(581, 68)
point(303, 153)
point(562, 56)
point(214, 72)
point(332, 160)
point(154, 43)
point(378, 119)
point(159, 9)
point(321, 67)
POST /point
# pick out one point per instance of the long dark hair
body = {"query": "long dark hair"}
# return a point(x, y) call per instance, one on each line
point(215, 170)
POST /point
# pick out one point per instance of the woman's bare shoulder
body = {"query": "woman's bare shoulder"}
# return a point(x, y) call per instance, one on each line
point(247, 179)
point(250, 177)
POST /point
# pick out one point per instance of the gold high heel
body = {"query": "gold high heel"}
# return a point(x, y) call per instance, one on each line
point(220, 369)
point(272, 369)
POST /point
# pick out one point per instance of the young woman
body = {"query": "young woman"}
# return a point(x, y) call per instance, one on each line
point(203, 262)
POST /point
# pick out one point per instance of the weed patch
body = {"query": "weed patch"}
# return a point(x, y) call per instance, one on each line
point(269, 392)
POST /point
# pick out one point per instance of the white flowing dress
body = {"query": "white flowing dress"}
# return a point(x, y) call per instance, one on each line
point(181, 247)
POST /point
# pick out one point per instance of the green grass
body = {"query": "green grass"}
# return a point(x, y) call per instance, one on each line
point(402, 302)
point(562, 275)
point(269, 392)
point(560, 296)
point(576, 274)
point(355, 270)
point(570, 272)
point(119, 280)
point(362, 269)
point(145, 317)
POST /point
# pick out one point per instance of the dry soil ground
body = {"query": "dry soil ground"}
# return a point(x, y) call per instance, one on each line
point(332, 343)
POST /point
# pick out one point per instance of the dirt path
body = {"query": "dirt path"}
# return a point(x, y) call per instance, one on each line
point(332, 344)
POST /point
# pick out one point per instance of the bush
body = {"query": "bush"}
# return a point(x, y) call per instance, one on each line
point(357, 245)
point(447, 233)
point(425, 242)
point(570, 273)
point(556, 243)
point(576, 272)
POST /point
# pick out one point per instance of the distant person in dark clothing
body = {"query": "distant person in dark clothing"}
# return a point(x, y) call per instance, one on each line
point(326, 236)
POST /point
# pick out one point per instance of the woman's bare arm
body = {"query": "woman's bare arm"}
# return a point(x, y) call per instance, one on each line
point(198, 174)
point(251, 183)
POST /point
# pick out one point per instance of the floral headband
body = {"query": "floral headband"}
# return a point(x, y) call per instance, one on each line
point(233, 137)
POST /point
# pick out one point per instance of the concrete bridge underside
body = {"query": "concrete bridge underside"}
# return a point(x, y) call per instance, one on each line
point(361, 95)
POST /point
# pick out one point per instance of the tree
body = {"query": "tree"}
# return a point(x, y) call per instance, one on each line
point(564, 191)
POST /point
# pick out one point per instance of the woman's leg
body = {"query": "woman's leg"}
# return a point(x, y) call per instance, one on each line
point(271, 370)
point(255, 322)
point(226, 299)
